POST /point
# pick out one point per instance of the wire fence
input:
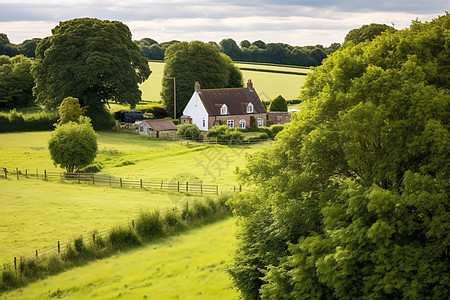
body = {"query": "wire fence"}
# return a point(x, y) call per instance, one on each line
point(106, 180)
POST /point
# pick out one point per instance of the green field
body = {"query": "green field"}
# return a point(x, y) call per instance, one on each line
point(191, 265)
point(268, 85)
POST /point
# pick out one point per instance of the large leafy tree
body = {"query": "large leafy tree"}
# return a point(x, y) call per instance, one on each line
point(73, 145)
point(191, 62)
point(93, 60)
point(367, 33)
point(16, 82)
point(353, 200)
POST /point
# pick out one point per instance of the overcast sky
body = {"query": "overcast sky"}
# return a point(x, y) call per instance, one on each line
point(301, 22)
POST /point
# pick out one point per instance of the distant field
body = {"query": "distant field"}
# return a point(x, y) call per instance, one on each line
point(268, 85)
point(189, 266)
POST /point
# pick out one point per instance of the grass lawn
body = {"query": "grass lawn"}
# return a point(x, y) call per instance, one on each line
point(188, 266)
point(36, 214)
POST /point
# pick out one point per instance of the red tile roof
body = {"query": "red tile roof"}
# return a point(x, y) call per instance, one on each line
point(161, 125)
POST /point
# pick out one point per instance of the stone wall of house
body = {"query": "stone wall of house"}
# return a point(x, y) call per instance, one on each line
point(279, 117)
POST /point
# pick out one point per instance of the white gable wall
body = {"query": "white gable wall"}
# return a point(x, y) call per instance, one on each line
point(143, 128)
point(197, 112)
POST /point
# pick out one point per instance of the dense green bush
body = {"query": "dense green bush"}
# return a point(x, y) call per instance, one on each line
point(189, 131)
point(149, 225)
point(278, 104)
point(122, 238)
point(14, 121)
point(224, 134)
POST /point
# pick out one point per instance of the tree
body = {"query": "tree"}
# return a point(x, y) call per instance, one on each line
point(73, 145)
point(318, 55)
point(191, 62)
point(70, 110)
point(278, 104)
point(16, 82)
point(230, 48)
point(92, 60)
point(352, 200)
point(245, 44)
point(6, 48)
point(366, 33)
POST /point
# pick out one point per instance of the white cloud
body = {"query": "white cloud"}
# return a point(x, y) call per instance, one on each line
point(297, 22)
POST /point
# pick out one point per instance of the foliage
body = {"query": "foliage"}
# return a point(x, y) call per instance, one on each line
point(149, 225)
point(26, 48)
point(122, 238)
point(191, 62)
point(73, 145)
point(16, 122)
point(16, 82)
point(189, 131)
point(223, 133)
point(352, 200)
point(70, 110)
point(278, 104)
point(367, 33)
point(100, 59)
point(101, 119)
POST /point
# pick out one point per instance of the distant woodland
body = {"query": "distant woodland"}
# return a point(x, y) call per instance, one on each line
point(257, 51)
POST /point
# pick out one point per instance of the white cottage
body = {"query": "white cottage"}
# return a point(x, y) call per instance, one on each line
point(232, 106)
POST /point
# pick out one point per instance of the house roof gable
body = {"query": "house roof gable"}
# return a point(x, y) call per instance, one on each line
point(236, 99)
point(161, 125)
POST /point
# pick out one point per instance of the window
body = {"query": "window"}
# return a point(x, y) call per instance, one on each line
point(230, 123)
point(224, 110)
point(141, 128)
point(260, 122)
point(242, 123)
point(250, 108)
point(204, 123)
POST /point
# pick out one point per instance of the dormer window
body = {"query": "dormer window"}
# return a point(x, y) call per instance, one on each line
point(250, 108)
point(224, 110)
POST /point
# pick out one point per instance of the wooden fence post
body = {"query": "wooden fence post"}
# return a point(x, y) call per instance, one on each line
point(93, 179)
point(26, 173)
point(240, 188)
point(162, 182)
point(93, 238)
point(201, 187)
point(6, 173)
point(141, 183)
point(120, 182)
point(187, 186)
point(132, 223)
point(17, 173)
point(178, 183)
point(37, 174)
point(15, 263)
point(59, 247)
point(109, 180)
point(45, 174)
point(37, 253)
point(217, 190)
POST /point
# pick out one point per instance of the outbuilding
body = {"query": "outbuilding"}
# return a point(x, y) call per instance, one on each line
point(164, 128)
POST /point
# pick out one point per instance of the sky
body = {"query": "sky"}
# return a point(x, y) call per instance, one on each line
point(298, 23)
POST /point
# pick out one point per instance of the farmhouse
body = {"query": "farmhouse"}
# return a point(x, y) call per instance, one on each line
point(157, 128)
point(232, 106)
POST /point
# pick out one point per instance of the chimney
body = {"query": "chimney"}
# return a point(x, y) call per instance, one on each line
point(197, 87)
point(250, 85)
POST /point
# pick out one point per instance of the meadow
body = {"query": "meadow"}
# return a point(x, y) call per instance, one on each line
point(191, 265)
point(268, 85)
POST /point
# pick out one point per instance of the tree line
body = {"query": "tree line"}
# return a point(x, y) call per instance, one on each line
point(258, 51)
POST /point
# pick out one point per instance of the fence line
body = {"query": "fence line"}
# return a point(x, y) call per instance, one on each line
point(106, 180)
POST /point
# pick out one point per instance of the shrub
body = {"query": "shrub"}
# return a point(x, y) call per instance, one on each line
point(189, 131)
point(186, 213)
point(149, 225)
point(55, 265)
point(122, 238)
point(31, 268)
point(278, 104)
point(172, 221)
point(201, 210)
point(225, 134)
point(11, 280)
point(14, 121)
point(275, 129)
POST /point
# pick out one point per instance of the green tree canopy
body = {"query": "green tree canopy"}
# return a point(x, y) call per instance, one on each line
point(366, 33)
point(73, 145)
point(92, 60)
point(16, 82)
point(278, 104)
point(191, 62)
point(70, 110)
point(352, 200)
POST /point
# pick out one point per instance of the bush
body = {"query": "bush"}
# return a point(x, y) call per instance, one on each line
point(10, 280)
point(189, 131)
point(225, 134)
point(172, 221)
point(149, 225)
point(101, 119)
point(14, 121)
point(275, 129)
point(278, 104)
point(123, 238)
point(201, 210)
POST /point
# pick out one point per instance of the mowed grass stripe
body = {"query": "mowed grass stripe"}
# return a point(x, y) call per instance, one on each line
point(189, 266)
